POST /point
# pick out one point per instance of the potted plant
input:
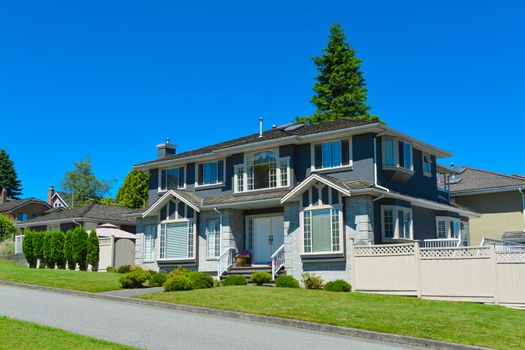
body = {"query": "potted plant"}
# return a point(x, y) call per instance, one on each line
point(243, 258)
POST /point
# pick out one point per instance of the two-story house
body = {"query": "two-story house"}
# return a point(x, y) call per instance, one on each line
point(22, 210)
point(294, 195)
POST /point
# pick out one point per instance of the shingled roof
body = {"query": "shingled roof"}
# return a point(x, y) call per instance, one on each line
point(17, 203)
point(90, 211)
point(272, 134)
point(475, 180)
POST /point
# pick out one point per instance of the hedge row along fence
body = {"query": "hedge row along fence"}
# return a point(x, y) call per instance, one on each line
point(55, 249)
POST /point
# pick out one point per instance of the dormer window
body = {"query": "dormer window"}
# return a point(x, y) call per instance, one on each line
point(427, 164)
point(397, 153)
point(172, 179)
point(407, 155)
point(210, 173)
point(332, 154)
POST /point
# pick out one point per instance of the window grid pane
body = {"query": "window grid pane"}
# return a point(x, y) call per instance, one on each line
point(307, 232)
point(331, 154)
point(213, 237)
point(240, 179)
point(442, 229)
point(150, 233)
point(388, 219)
point(163, 241)
point(389, 152)
point(273, 174)
point(191, 229)
point(284, 172)
point(407, 156)
point(335, 230)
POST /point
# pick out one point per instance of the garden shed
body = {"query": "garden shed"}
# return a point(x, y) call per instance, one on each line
point(117, 247)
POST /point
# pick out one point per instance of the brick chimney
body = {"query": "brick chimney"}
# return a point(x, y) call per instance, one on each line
point(3, 197)
point(166, 149)
point(50, 193)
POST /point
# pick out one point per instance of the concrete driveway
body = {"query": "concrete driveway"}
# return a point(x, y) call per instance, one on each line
point(154, 328)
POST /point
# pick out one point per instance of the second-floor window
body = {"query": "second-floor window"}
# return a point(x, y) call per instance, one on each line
point(261, 170)
point(427, 164)
point(332, 154)
point(21, 217)
point(397, 153)
point(172, 179)
point(210, 173)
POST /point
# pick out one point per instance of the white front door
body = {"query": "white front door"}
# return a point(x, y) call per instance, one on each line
point(264, 229)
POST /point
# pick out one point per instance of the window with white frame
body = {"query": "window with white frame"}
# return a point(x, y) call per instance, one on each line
point(177, 240)
point(397, 153)
point(448, 227)
point(332, 154)
point(210, 173)
point(150, 235)
point(389, 152)
point(262, 170)
point(407, 156)
point(396, 222)
point(427, 164)
point(322, 231)
point(213, 237)
point(172, 179)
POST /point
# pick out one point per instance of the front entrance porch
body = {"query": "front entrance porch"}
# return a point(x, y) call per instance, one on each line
point(264, 236)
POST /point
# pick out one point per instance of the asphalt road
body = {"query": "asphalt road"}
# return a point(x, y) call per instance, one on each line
point(154, 328)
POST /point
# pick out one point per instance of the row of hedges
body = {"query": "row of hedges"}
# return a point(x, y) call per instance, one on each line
point(56, 249)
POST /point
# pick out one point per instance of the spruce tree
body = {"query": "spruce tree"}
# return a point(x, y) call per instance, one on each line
point(340, 88)
point(8, 178)
point(134, 191)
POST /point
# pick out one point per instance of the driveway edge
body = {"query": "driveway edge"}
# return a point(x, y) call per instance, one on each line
point(354, 332)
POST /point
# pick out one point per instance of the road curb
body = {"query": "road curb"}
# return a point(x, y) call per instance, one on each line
point(346, 331)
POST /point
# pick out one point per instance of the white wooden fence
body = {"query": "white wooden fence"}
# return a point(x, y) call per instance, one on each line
point(479, 274)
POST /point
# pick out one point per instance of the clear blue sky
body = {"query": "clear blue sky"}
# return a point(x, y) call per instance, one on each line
point(113, 78)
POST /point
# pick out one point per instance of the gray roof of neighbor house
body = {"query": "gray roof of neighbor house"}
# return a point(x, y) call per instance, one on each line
point(272, 134)
point(477, 180)
point(97, 212)
point(11, 205)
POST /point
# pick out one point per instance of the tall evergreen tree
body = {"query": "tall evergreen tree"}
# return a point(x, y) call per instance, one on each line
point(340, 88)
point(8, 178)
point(134, 191)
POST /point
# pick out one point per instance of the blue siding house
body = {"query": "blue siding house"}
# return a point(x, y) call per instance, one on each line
point(295, 197)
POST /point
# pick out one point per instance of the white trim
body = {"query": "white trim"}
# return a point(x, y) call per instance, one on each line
point(160, 170)
point(298, 190)
point(448, 226)
point(60, 199)
point(245, 167)
point(339, 207)
point(165, 199)
point(191, 222)
point(335, 168)
point(398, 162)
point(395, 217)
point(487, 190)
point(217, 184)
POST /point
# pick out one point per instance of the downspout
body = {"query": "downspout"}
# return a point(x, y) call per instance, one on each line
point(375, 166)
point(220, 228)
point(522, 204)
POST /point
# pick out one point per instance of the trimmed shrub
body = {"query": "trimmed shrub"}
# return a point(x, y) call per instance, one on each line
point(216, 283)
point(178, 282)
point(235, 280)
point(28, 248)
point(46, 251)
point(179, 270)
point(57, 248)
point(338, 286)
point(93, 250)
point(200, 280)
point(134, 279)
point(38, 248)
point(111, 269)
point(79, 247)
point(157, 279)
point(286, 282)
point(68, 250)
point(124, 269)
point(312, 281)
point(260, 278)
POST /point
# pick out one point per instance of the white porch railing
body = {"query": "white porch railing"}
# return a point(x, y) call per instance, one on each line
point(18, 243)
point(440, 243)
point(225, 261)
point(277, 261)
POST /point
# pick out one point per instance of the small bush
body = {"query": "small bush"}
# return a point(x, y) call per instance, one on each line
point(157, 279)
point(28, 248)
point(235, 280)
point(111, 269)
point(124, 269)
point(312, 281)
point(338, 286)
point(260, 278)
point(217, 283)
point(179, 270)
point(135, 279)
point(200, 280)
point(286, 282)
point(178, 282)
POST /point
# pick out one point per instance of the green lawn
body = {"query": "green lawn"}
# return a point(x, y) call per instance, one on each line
point(468, 323)
point(16, 334)
point(77, 280)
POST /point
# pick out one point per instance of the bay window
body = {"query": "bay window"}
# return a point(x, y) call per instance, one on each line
point(177, 240)
point(389, 152)
point(397, 153)
point(396, 222)
point(210, 173)
point(213, 237)
point(448, 227)
point(322, 232)
point(172, 179)
point(407, 156)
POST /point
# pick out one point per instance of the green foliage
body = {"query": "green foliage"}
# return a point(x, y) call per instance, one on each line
point(8, 177)
point(217, 283)
point(79, 240)
point(38, 247)
point(57, 248)
point(7, 227)
point(7, 247)
point(340, 88)
point(28, 248)
point(312, 281)
point(200, 280)
point(108, 201)
point(338, 286)
point(286, 282)
point(68, 250)
point(46, 252)
point(177, 282)
point(93, 250)
point(134, 191)
point(235, 280)
point(157, 279)
point(135, 279)
point(124, 269)
point(111, 269)
point(82, 185)
point(179, 270)
point(260, 278)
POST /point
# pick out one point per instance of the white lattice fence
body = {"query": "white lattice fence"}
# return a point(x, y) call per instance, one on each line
point(447, 253)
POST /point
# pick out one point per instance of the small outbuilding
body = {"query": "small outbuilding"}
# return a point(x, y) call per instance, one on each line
point(117, 247)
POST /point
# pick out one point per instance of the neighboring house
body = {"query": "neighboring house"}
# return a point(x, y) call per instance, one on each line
point(299, 193)
point(57, 199)
point(89, 216)
point(498, 197)
point(22, 210)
